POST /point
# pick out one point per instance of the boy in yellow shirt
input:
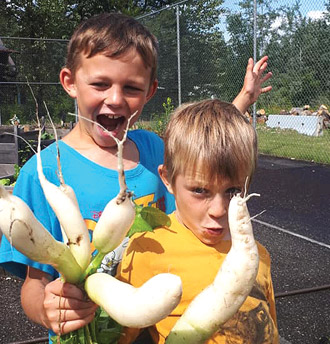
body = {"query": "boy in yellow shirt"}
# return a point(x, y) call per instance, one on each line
point(210, 151)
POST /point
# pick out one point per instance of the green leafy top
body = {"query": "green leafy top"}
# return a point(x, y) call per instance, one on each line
point(147, 219)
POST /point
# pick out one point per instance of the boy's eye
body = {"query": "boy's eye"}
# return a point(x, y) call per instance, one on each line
point(199, 190)
point(131, 88)
point(99, 84)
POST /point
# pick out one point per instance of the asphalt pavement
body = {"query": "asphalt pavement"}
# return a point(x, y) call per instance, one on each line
point(295, 228)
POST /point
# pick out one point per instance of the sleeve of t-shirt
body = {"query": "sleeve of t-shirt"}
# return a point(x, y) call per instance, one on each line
point(269, 283)
point(271, 295)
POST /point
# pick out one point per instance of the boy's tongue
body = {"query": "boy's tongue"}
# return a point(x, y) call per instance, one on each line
point(109, 123)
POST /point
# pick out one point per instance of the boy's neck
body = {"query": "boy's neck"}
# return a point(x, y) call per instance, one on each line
point(104, 156)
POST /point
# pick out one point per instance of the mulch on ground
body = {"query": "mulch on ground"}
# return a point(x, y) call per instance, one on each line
point(14, 325)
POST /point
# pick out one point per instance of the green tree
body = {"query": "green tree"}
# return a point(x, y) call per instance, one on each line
point(240, 26)
point(300, 59)
point(41, 60)
point(201, 49)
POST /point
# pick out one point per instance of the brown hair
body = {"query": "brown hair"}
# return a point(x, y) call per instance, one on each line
point(112, 34)
point(213, 136)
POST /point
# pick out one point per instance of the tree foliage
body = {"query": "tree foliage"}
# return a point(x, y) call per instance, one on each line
point(41, 60)
point(212, 64)
point(296, 47)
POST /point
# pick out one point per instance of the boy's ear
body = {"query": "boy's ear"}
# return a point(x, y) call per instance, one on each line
point(152, 90)
point(67, 81)
point(163, 176)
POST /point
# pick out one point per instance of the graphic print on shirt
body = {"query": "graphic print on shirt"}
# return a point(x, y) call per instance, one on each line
point(254, 325)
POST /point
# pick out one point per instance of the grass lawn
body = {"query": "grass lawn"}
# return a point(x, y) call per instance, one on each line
point(291, 144)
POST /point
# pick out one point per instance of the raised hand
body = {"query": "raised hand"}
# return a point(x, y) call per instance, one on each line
point(254, 79)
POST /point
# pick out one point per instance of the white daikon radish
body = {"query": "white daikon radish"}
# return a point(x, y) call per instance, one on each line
point(31, 238)
point(135, 307)
point(221, 300)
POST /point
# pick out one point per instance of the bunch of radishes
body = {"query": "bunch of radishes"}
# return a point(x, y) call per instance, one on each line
point(129, 306)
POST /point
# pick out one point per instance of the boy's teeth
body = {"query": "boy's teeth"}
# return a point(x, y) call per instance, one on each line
point(110, 121)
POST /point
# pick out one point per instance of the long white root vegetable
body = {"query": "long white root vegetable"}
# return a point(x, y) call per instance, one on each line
point(63, 201)
point(30, 237)
point(118, 215)
point(135, 307)
point(113, 225)
point(221, 300)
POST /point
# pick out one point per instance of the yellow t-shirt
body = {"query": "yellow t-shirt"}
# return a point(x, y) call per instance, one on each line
point(178, 251)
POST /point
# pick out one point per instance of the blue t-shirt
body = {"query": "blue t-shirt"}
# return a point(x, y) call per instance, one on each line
point(94, 186)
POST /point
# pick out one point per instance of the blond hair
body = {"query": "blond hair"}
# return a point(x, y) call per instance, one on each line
point(210, 135)
point(112, 34)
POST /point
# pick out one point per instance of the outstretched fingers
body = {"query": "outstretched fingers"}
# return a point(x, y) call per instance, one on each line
point(266, 77)
point(259, 70)
point(250, 66)
point(260, 65)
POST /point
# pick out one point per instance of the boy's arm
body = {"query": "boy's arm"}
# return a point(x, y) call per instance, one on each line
point(253, 81)
point(43, 299)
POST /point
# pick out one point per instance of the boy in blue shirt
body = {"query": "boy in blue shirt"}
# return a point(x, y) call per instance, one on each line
point(111, 72)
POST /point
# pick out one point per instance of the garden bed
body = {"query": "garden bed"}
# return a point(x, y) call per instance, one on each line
point(15, 326)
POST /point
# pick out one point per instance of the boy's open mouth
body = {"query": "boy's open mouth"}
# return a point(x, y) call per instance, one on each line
point(110, 122)
point(215, 231)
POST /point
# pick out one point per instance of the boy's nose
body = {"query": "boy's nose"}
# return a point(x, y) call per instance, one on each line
point(114, 96)
point(218, 206)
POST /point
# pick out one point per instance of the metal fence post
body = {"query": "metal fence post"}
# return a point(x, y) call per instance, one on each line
point(254, 53)
point(178, 51)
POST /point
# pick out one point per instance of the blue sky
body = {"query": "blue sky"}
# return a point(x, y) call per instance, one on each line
point(310, 8)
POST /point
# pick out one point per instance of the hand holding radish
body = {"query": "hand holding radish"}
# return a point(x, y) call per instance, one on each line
point(66, 307)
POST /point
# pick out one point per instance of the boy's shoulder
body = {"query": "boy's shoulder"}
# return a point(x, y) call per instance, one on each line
point(47, 157)
point(166, 239)
point(144, 136)
point(68, 157)
point(149, 145)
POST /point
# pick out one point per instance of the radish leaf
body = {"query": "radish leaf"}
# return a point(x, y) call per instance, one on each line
point(147, 219)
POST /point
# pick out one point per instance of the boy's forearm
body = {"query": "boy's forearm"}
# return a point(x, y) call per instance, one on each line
point(32, 296)
point(242, 101)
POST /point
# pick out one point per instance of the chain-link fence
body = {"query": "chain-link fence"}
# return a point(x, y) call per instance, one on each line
point(201, 59)
point(35, 63)
point(204, 50)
